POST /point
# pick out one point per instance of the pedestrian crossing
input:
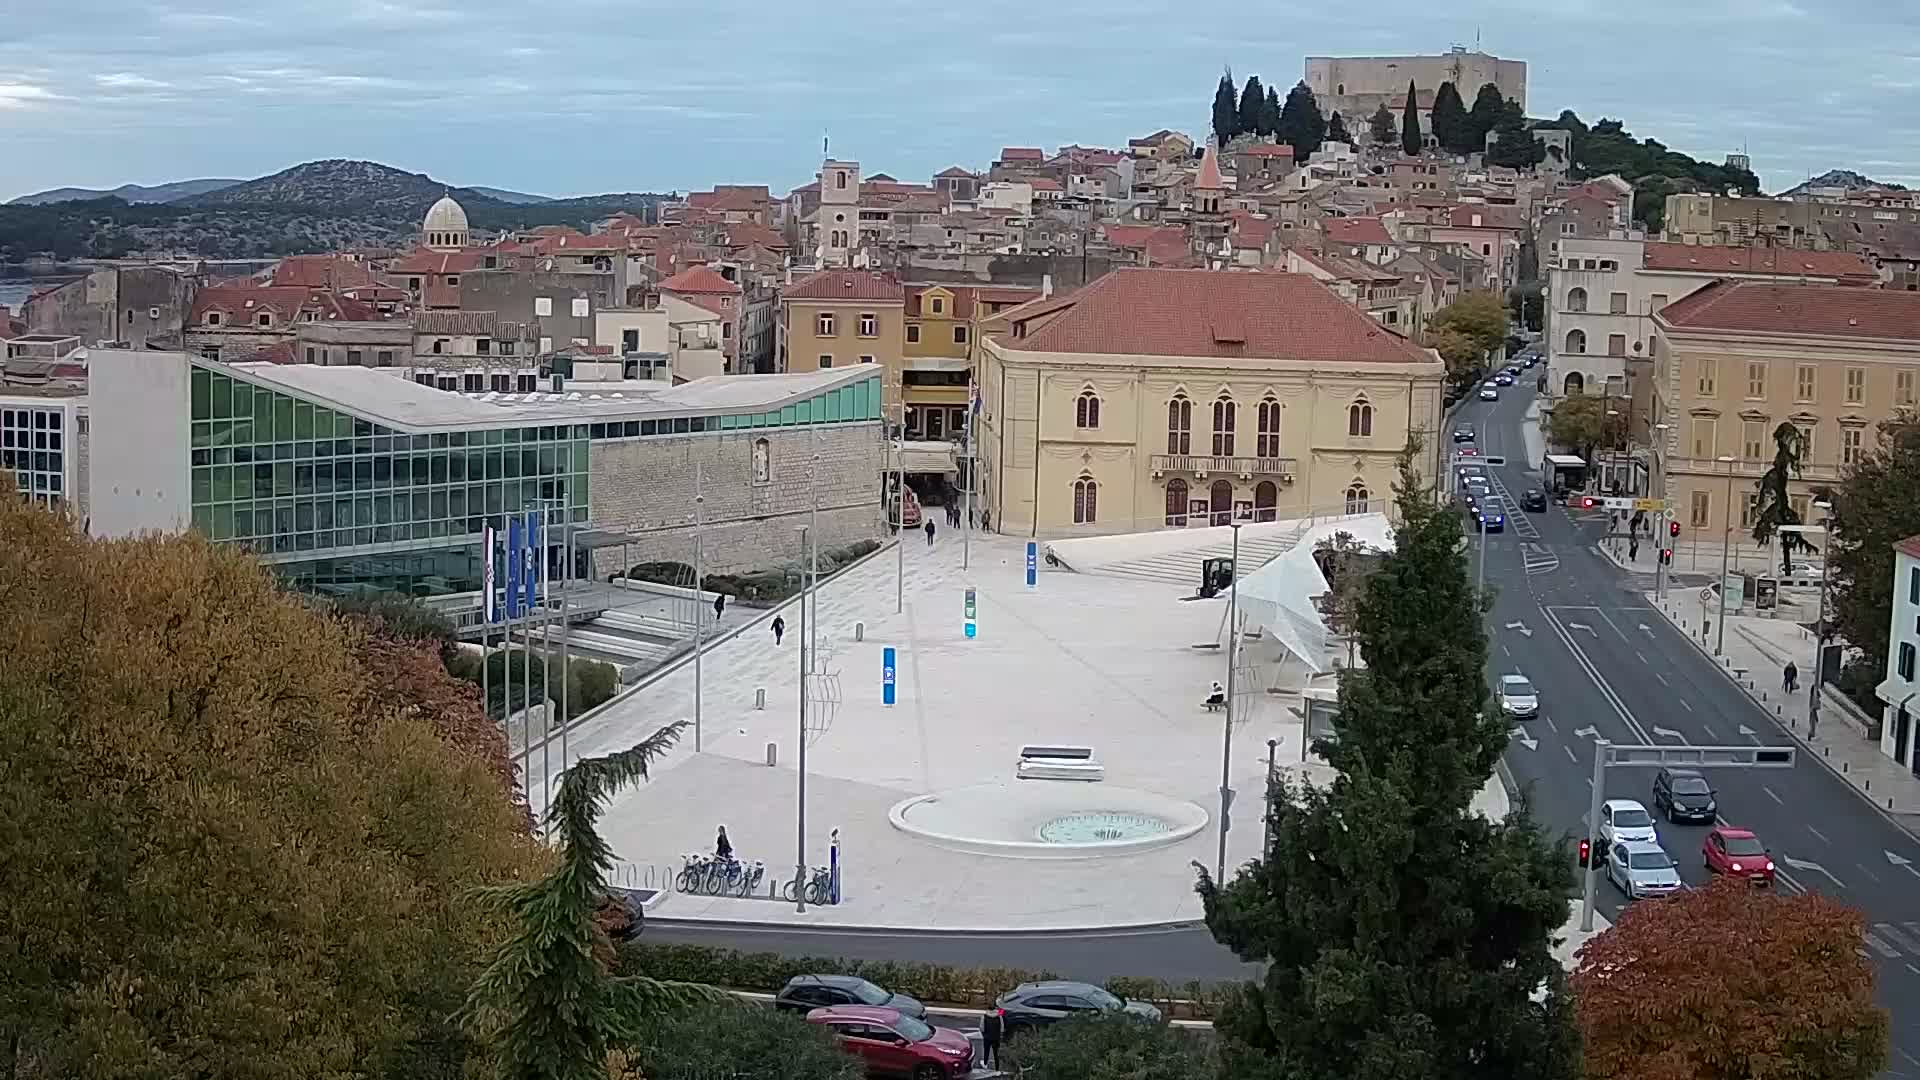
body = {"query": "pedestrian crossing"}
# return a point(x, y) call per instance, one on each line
point(1539, 558)
point(1894, 941)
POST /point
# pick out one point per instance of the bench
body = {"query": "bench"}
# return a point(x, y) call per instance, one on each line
point(1041, 762)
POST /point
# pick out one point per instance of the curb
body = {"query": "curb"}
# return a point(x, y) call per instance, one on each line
point(755, 926)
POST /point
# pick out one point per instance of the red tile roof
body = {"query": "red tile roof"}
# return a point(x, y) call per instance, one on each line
point(1359, 230)
point(700, 279)
point(1275, 150)
point(1043, 183)
point(845, 285)
point(1163, 244)
point(423, 261)
point(1771, 307)
point(1218, 313)
point(320, 272)
point(953, 172)
point(240, 305)
point(1840, 265)
point(1252, 232)
point(1909, 547)
point(965, 297)
point(1490, 216)
point(1021, 153)
point(1209, 179)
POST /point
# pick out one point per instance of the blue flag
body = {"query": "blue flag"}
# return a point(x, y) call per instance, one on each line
point(515, 562)
point(530, 575)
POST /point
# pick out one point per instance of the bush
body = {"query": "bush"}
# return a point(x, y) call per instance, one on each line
point(1109, 1048)
point(396, 616)
point(590, 682)
point(678, 574)
point(739, 1042)
point(594, 684)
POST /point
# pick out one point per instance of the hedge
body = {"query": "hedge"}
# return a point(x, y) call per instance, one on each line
point(942, 984)
point(760, 588)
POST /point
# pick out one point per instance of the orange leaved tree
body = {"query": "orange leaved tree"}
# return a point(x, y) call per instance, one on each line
point(1730, 982)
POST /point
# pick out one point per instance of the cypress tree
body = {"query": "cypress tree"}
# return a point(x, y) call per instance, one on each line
point(1488, 104)
point(1301, 126)
point(1272, 111)
point(1226, 116)
point(1337, 130)
point(1253, 108)
point(1410, 140)
point(1450, 120)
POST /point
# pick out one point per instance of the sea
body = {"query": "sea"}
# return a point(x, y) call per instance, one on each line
point(14, 292)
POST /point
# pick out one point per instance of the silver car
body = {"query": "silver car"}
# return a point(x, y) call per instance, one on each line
point(1642, 868)
point(1625, 820)
point(1517, 696)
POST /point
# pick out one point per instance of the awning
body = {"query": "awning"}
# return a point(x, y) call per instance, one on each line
point(1279, 598)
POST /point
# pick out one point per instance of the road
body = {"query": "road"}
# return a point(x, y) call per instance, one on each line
point(1609, 666)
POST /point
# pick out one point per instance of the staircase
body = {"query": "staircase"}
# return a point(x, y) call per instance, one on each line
point(1183, 567)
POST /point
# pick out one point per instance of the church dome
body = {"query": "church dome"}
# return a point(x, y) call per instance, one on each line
point(445, 216)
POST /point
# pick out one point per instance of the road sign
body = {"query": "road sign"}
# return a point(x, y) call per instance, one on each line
point(887, 670)
point(1653, 506)
point(1033, 564)
point(971, 629)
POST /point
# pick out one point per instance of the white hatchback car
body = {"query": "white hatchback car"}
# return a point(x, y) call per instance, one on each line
point(1518, 697)
point(1625, 819)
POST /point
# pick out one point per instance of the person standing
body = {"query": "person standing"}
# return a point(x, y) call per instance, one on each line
point(779, 629)
point(722, 847)
point(929, 532)
point(991, 1029)
point(1790, 678)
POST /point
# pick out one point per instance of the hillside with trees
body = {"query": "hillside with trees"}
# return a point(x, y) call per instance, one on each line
point(1654, 169)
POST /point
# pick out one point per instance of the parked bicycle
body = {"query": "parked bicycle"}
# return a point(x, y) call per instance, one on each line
point(705, 875)
point(818, 888)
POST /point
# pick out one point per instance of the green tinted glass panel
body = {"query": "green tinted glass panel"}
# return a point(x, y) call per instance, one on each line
point(302, 420)
point(262, 416)
point(282, 418)
point(202, 485)
point(203, 519)
point(243, 482)
point(222, 523)
point(787, 415)
point(202, 381)
point(222, 484)
point(222, 397)
point(242, 398)
point(203, 433)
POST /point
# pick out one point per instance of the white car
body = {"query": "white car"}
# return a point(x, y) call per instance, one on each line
point(1517, 696)
point(1488, 393)
point(1625, 819)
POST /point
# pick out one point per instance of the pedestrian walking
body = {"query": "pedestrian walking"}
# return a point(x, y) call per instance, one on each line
point(719, 605)
point(991, 1028)
point(779, 629)
point(1790, 677)
point(929, 532)
point(983, 520)
point(1633, 549)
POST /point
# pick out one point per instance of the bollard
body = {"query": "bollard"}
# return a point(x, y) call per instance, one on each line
point(1866, 785)
point(773, 753)
point(1763, 695)
point(760, 698)
point(859, 631)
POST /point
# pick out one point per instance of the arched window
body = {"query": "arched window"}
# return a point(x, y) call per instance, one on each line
point(1086, 410)
point(1576, 299)
point(1357, 497)
point(1266, 501)
point(1086, 494)
point(1224, 412)
point(1360, 419)
point(1575, 382)
point(1267, 440)
point(1176, 501)
point(1180, 425)
point(1220, 503)
point(1576, 341)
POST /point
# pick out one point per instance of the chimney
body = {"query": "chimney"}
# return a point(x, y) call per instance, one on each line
point(1046, 286)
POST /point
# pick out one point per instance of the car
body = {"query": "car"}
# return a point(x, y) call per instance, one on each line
point(1470, 469)
point(1517, 696)
point(891, 1043)
point(1625, 819)
point(1642, 868)
point(1491, 515)
point(1684, 795)
point(1470, 500)
point(1488, 393)
point(1728, 850)
point(1463, 433)
point(1503, 379)
point(1534, 501)
point(1037, 1004)
point(1468, 451)
point(804, 993)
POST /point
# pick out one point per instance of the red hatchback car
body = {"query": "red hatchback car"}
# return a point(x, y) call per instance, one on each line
point(1728, 850)
point(895, 1044)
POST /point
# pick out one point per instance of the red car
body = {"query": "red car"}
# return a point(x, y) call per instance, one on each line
point(895, 1044)
point(1728, 850)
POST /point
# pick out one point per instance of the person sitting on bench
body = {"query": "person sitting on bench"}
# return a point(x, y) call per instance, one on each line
point(1216, 697)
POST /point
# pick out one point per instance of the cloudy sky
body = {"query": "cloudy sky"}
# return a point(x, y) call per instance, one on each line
point(581, 96)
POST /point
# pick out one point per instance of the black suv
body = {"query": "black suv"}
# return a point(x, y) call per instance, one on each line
point(1036, 1004)
point(1534, 501)
point(1463, 433)
point(804, 993)
point(1684, 795)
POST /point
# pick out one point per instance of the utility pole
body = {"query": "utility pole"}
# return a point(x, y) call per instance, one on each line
point(1593, 832)
point(900, 512)
point(800, 798)
point(966, 472)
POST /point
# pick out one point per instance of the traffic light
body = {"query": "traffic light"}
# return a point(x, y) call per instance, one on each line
point(1587, 502)
point(1673, 528)
point(1666, 556)
point(1586, 852)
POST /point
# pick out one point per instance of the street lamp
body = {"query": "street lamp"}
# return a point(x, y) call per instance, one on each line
point(1665, 537)
point(1820, 637)
point(807, 536)
point(1726, 545)
point(1226, 738)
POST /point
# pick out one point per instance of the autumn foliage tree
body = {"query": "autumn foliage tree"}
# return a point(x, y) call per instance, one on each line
point(1730, 983)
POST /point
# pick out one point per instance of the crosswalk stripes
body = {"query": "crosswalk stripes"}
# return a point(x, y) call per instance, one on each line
point(1893, 941)
point(1539, 558)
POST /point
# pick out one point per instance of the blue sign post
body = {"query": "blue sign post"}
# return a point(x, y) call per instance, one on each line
point(971, 628)
point(1033, 564)
point(887, 670)
point(833, 865)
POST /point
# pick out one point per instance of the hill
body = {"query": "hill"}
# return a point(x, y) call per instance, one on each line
point(131, 193)
point(518, 198)
point(1655, 170)
point(1840, 178)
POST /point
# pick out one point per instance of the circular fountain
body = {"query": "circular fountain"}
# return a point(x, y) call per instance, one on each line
point(1038, 819)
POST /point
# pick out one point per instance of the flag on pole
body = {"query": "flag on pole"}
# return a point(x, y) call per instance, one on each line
point(515, 563)
point(973, 395)
point(486, 576)
point(530, 575)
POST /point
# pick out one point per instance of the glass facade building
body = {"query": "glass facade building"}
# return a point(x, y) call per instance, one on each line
point(33, 451)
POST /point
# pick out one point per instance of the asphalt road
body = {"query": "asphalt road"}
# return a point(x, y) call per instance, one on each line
point(1609, 666)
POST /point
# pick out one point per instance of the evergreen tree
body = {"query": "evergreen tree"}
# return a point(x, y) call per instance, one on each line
point(1337, 130)
point(1226, 115)
point(1253, 108)
point(1488, 104)
point(1301, 126)
point(1449, 120)
point(1773, 506)
point(1513, 145)
point(1273, 111)
point(1410, 139)
point(1380, 126)
point(1402, 933)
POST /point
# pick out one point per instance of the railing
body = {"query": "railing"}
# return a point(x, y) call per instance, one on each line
point(1202, 465)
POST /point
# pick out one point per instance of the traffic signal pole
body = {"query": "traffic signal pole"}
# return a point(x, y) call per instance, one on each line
point(1593, 832)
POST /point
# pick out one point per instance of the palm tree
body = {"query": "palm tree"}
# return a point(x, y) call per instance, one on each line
point(547, 1002)
point(1773, 508)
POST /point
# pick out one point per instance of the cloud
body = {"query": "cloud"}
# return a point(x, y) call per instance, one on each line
point(127, 80)
point(18, 95)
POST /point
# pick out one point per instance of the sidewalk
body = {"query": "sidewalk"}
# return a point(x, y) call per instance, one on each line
point(1756, 649)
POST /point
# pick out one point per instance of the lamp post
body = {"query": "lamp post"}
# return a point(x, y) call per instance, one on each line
point(1726, 546)
point(800, 763)
point(1266, 819)
point(1226, 737)
point(1665, 538)
point(1820, 636)
point(699, 603)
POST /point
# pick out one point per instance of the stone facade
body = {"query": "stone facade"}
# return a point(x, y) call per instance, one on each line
point(645, 487)
point(143, 306)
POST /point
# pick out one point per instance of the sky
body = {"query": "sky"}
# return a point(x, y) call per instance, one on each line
point(573, 97)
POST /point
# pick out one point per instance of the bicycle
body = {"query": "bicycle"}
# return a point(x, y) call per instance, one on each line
point(818, 888)
point(693, 871)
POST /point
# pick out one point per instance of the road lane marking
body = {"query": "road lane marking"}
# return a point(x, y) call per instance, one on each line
point(1662, 678)
point(1709, 731)
point(1772, 796)
point(1551, 726)
point(1813, 867)
point(1897, 936)
point(1506, 652)
point(1600, 681)
point(1882, 947)
point(1683, 704)
point(1817, 833)
point(1573, 759)
point(1903, 1053)
point(1875, 878)
point(1641, 655)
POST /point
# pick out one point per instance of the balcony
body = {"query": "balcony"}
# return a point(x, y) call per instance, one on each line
point(1200, 465)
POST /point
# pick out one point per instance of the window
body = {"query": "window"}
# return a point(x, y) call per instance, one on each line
point(1179, 426)
point(1616, 344)
point(1576, 299)
point(840, 179)
point(1656, 302)
point(1803, 382)
point(939, 305)
point(1086, 494)
point(1360, 419)
point(1757, 380)
point(1224, 414)
point(1700, 510)
point(1357, 497)
point(1903, 386)
point(1176, 501)
point(1749, 509)
point(913, 334)
point(1913, 586)
point(1576, 341)
point(210, 352)
point(630, 341)
point(1906, 660)
point(263, 319)
point(213, 318)
point(869, 324)
point(355, 358)
point(1267, 423)
point(959, 335)
point(439, 346)
point(866, 359)
point(1086, 410)
point(385, 357)
point(506, 348)
point(581, 308)
point(453, 279)
point(1704, 436)
point(1850, 446)
point(1753, 439)
point(1708, 368)
point(1856, 385)
point(1617, 304)
point(543, 305)
point(826, 360)
point(1806, 442)
point(823, 324)
point(310, 354)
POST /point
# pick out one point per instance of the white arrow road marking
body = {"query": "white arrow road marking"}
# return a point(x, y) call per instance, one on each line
point(1526, 740)
point(1799, 864)
point(1669, 733)
point(1582, 626)
point(1647, 630)
point(1903, 863)
point(1522, 627)
point(1749, 732)
point(1589, 731)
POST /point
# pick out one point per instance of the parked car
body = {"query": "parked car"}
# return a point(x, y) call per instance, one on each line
point(1625, 819)
point(1728, 850)
point(1517, 696)
point(1642, 868)
point(895, 1044)
point(1036, 1004)
point(1534, 501)
point(804, 993)
point(1684, 795)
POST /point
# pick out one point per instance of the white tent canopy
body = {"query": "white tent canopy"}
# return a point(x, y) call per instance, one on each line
point(1278, 599)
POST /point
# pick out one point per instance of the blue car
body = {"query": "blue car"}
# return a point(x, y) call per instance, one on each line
point(1491, 517)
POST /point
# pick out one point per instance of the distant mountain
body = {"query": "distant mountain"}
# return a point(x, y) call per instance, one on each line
point(361, 187)
point(1840, 178)
point(130, 193)
point(517, 198)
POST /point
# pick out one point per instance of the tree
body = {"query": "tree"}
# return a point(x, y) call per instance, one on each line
point(1403, 934)
point(1301, 126)
point(1410, 137)
point(1514, 147)
point(1479, 315)
point(1273, 110)
point(226, 854)
point(1464, 357)
point(1346, 563)
point(1580, 423)
point(1772, 507)
point(1527, 300)
point(1226, 114)
point(547, 1002)
point(1380, 126)
point(740, 1042)
point(1252, 111)
point(1876, 504)
point(1109, 1047)
point(1337, 130)
point(1449, 119)
point(1488, 104)
point(1730, 982)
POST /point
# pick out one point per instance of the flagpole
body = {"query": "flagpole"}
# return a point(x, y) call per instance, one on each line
point(966, 473)
point(699, 600)
point(486, 621)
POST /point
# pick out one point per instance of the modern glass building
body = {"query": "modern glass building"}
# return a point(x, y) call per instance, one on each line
point(348, 478)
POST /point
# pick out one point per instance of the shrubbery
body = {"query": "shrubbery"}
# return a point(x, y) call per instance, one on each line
point(740, 1042)
point(591, 682)
point(760, 588)
point(1108, 1048)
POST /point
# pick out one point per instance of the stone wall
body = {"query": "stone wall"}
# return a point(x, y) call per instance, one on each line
point(645, 486)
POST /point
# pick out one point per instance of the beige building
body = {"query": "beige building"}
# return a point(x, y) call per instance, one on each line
point(1354, 86)
point(1169, 398)
point(839, 318)
point(1736, 359)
